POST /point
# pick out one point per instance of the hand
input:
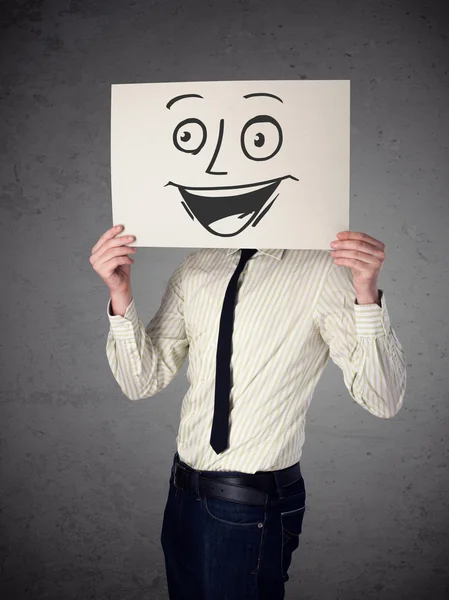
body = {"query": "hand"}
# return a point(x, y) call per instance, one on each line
point(364, 255)
point(109, 260)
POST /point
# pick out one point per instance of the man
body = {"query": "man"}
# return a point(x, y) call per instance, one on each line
point(235, 509)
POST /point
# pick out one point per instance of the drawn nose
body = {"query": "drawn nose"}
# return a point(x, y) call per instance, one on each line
point(216, 151)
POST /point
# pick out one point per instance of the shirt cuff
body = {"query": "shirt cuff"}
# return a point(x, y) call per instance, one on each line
point(123, 328)
point(372, 320)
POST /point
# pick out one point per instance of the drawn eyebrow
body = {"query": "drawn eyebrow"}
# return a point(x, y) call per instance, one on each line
point(173, 100)
point(263, 94)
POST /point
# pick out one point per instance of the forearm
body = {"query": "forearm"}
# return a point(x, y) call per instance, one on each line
point(379, 384)
point(144, 360)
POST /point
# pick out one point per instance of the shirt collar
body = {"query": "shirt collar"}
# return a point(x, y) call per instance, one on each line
point(276, 253)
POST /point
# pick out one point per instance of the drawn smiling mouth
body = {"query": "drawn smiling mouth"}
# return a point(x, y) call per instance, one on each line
point(226, 211)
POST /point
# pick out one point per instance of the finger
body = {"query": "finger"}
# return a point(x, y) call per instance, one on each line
point(108, 235)
point(364, 237)
point(355, 258)
point(105, 254)
point(367, 257)
point(109, 267)
point(108, 248)
point(361, 247)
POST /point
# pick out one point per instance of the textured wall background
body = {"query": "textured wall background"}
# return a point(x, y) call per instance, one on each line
point(84, 471)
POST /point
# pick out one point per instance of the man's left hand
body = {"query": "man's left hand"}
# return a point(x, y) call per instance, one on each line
point(364, 255)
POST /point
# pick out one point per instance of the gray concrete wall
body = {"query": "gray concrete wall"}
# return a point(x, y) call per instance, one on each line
point(84, 471)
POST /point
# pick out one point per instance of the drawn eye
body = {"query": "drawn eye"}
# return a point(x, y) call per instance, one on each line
point(190, 136)
point(261, 138)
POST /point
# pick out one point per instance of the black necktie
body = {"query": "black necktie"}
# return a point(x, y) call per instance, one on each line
point(220, 424)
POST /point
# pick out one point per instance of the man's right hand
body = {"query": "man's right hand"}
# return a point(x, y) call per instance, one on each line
point(109, 259)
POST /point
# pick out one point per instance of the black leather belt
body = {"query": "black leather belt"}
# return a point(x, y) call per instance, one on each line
point(246, 488)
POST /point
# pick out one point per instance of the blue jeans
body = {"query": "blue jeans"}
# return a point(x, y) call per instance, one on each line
point(216, 549)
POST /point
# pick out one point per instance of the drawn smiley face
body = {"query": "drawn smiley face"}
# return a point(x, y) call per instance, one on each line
point(226, 210)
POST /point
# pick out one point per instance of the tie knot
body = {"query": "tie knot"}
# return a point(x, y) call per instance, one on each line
point(247, 253)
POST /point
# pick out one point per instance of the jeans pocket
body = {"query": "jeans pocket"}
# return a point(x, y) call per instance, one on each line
point(291, 521)
point(234, 513)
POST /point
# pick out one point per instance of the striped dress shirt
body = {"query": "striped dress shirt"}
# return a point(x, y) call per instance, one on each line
point(294, 309)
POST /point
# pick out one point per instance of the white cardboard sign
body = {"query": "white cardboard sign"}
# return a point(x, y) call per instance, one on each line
point(231, 164)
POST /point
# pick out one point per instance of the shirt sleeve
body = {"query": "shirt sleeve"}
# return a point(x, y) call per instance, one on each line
point(363, 344)
point(144, 360)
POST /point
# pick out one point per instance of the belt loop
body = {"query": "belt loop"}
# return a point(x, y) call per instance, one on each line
point(196, 483)
point(278, 483)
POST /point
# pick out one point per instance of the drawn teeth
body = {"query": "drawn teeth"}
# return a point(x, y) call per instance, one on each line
point(223, 192)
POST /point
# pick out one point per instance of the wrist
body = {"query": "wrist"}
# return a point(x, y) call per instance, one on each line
point(120, 302)
point(372, 297)
point(123, 293)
